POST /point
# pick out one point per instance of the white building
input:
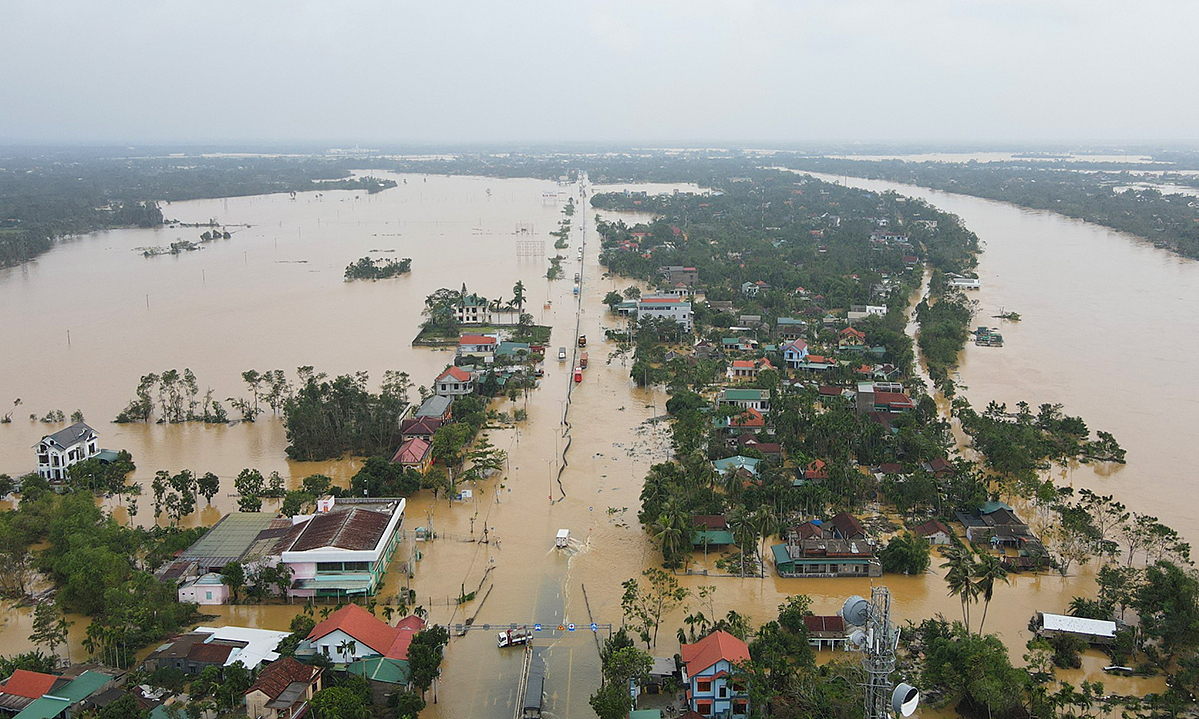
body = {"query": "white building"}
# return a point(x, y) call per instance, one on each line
point(343, 550)
point(454, 382)
point(253, 646)
point(861, 312)
point(66, 447)
point(471, 310)
point(668, 307)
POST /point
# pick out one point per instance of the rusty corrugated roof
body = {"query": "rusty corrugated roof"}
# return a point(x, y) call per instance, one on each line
point(353, 529)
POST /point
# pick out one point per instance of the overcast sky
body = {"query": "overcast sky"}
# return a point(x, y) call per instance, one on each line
point(633, 72)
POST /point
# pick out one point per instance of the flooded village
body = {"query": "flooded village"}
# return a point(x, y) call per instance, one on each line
point(755, 399)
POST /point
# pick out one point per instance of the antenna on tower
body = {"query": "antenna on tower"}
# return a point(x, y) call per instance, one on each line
point(877, 638)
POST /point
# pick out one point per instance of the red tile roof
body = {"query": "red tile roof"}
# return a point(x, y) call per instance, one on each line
point(743, 364)
point(276, 677)
point(413, 451)
point(816, 469)
point(31, 685)
point(711, 649)
point(893, 399)
point(749, 418)
point(454, 372)
point(848, 525)
point(931, 527)
point(209, 652)
point(476, 340)
point(404, 631)
point(711, 521)
point(366, 629)
point(421, 426)
point(850, 331)
point(825, 623)
point(360, 624)
point(354, 529)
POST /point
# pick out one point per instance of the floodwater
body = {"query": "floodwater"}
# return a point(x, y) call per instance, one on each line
point(273, 297)
point(1109, 326)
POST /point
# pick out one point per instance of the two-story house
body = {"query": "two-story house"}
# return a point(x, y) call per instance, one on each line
point(707, 672)
point(66, 447)
point(850, 337)
point(415, 453)
point(795, 352)
point(481, 345)
point(758, 399)
point(282, 690)
point(454, 382)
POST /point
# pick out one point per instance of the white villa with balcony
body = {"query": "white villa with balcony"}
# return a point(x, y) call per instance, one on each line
point(67, 447)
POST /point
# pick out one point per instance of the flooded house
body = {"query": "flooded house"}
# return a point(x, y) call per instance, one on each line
point(836, 548)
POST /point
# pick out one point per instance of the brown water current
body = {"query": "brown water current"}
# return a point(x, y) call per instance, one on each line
point(273, 297)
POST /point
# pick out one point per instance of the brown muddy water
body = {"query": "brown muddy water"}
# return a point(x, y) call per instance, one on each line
point(273, 297)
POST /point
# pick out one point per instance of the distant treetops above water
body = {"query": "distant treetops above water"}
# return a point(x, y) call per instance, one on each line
point(380, 269)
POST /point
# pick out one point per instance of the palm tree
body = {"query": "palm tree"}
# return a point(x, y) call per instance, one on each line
point(518, 295)
point(672, 529)
point(987, 570)
point(346, 648)
point(741, 523)
point(961, 571)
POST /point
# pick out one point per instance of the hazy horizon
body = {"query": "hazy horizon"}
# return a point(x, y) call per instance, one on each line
point(648, 74)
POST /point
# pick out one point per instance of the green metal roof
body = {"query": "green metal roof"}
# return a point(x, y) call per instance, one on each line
point(745, 394)
point(44, 708)
point(382, 669)
point(780, 554)
point(645, 714)
point(53, 705)
point(108, 455)
point(714, 536)
point(735, 463)
point(84, 685)
point(229, 538)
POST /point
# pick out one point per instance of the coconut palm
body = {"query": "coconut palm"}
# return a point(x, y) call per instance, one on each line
point(518, 295)
point(959, 578)
point(987, 570)
point(672, 529)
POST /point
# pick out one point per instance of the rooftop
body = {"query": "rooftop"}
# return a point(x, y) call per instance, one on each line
point(711, 649)
point(257, 645)
point(229, 538)
point(278, 676)
point(1078, 625)
point(70, 435)
point(353, 529)
point(435, 406)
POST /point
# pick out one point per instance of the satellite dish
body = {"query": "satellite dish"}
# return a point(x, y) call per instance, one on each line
point(904, 700)
point(855, 611)
point(857, 638)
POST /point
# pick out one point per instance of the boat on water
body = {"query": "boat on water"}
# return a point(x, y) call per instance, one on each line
point(987, 337)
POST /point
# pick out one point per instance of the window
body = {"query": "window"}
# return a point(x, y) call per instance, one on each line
point(208, 595)
point(740, 707)
point(325, 650)
point(703, 685)
point(705, 708)
point(724, 691)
